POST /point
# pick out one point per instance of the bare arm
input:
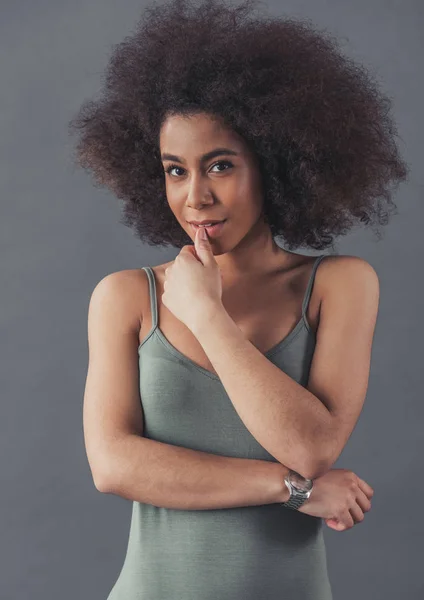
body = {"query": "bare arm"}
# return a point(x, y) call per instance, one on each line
point(170, 476)
point(125, 463)
point(305, 428)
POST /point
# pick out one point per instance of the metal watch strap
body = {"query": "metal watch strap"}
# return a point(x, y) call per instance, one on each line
point(294, 502)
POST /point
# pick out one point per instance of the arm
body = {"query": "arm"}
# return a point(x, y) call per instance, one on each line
point(305, 428)
point(125, 463)
point(170, 476)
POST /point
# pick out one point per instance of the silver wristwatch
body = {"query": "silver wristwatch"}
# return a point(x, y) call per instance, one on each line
point(300, 489)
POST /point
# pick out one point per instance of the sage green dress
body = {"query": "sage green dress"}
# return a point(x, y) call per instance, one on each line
point(265, 552)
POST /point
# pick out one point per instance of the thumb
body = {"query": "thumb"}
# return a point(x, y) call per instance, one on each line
point(202, 245)
point(335, 524)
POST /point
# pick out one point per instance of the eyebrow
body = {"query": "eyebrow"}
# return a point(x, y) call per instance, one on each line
point(204, 157)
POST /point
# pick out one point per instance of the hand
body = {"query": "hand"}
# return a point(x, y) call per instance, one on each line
point(339, 497)
point(193, 284)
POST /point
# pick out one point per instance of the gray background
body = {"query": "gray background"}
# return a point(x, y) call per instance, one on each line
point(60, 537)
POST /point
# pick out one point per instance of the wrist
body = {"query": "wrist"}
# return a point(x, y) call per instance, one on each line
point(298, 490)
point(283, 494)
point(212, 314)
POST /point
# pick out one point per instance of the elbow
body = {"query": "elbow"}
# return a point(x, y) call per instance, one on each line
point(311, 470)
point(317, 467)
point(318, 470)
point(102, 465)
point(320, 458)
point(101, 482)
point(102, 485)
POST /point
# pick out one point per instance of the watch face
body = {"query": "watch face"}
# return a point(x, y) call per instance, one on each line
point(299, 482)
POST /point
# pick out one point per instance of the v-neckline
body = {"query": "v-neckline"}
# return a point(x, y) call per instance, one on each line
point(176, 352)
point(301, 324)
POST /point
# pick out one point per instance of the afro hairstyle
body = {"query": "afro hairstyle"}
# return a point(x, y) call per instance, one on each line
point(319, 125)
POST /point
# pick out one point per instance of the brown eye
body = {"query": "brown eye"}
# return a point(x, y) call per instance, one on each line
point(221, 162)
point(169, 169)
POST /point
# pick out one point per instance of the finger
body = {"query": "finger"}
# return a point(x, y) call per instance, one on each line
point(356, 514)
point(363, 501)
point(348, 519)
point(367, 489)
point(334, 524)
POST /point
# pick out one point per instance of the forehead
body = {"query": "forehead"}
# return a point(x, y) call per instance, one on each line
point(188, 133)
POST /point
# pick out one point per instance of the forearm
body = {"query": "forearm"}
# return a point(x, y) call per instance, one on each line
point(290, 422)
point(171, 476)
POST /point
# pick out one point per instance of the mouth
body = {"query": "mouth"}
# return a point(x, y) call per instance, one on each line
point(213, 230)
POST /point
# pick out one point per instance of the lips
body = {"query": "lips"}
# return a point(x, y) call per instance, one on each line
point(206, 221)
point(213, 230)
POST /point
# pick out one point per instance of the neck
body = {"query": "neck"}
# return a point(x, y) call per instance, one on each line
point(257, 253)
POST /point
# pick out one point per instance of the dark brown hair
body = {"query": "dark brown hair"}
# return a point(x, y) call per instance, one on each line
point(316, 120)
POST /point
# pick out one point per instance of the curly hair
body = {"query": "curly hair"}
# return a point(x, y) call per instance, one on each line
point(316, 120)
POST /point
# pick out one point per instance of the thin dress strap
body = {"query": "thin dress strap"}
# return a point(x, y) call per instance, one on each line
point(153, 300)
point(310, 284)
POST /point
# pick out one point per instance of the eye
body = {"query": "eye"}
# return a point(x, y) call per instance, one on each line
point(221, 162)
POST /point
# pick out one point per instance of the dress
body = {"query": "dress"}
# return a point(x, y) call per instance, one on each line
point(265, 552)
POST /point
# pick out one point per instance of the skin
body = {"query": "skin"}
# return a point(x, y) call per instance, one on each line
point(210, 190)
point(252, 265)
point(262, 284)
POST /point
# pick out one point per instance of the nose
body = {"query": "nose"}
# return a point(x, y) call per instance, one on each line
point(198, 193)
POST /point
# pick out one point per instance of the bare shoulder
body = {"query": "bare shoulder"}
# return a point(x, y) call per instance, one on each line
point(126, 292)
point(342, 270)
point(350, 282)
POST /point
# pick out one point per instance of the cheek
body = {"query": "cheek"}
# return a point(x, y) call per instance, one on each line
point(176, 203)
point(247, 189)
point(246, 206)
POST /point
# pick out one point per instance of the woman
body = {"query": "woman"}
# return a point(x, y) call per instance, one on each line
point(223, 385)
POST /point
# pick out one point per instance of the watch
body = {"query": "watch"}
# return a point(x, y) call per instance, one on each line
point(300, 489)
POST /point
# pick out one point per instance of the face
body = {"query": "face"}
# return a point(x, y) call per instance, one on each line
point(224, 185)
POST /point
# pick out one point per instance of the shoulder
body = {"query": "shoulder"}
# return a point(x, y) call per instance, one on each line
point(350, 281)
point(124, 292)
point(344, 270)
point(122, 283)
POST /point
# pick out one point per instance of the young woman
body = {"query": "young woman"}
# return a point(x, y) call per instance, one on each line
point(223, 385)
